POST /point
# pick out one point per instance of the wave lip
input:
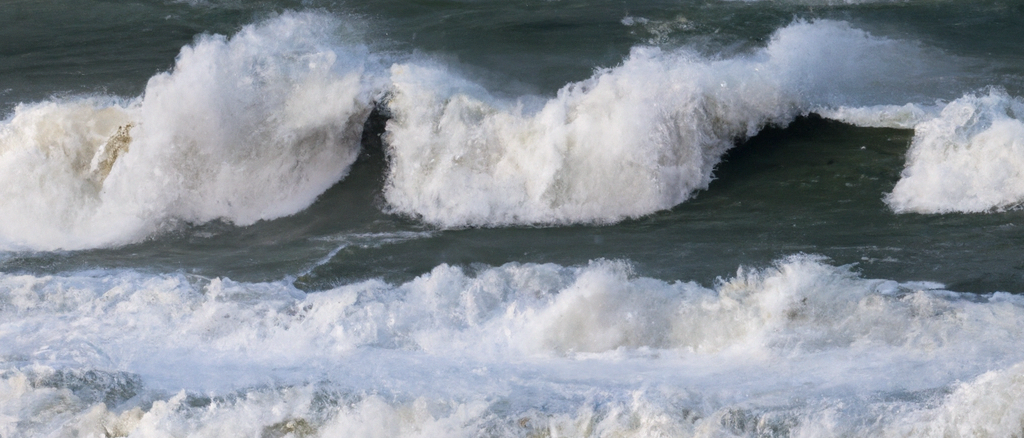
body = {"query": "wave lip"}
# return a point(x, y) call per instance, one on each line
point(245, 128)
point(969, 159)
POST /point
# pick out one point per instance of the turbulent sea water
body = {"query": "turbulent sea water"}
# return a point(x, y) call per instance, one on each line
point(775, 218)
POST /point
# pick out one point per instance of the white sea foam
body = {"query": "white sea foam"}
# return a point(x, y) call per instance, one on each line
point(242, 129)
point(990, 405)
point(802, 347)
point(882, 116)
point(630, 140)
point(516, 309)
point(969, 159)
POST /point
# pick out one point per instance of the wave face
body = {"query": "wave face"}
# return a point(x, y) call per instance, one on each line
point(969, 159)
point(810, 337)
point(629, 141)
point(245, 128)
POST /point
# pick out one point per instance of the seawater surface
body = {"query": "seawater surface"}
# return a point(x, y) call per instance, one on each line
point(511, 218)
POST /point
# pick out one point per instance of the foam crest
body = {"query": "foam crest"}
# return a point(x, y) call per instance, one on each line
point(969, 159)
point(308, 410)
point(54, 159)
point(626, 142)
point(242, 129)
point(802, 304)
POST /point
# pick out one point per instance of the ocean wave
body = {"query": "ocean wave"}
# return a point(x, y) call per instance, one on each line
point(629, 141)
point(990, 405)
point(256, 126)
point(245, 128)
point(968, 159)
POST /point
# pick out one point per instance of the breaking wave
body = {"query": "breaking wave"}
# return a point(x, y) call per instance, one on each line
point(256, 126)
point(968, 159)
point(631, 140)
point(245, 128)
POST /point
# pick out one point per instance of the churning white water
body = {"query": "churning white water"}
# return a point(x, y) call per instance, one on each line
point(802, 348)
point(968, 159)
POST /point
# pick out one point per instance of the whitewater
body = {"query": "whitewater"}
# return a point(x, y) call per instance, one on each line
point(511, 350)
point(513, 220)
